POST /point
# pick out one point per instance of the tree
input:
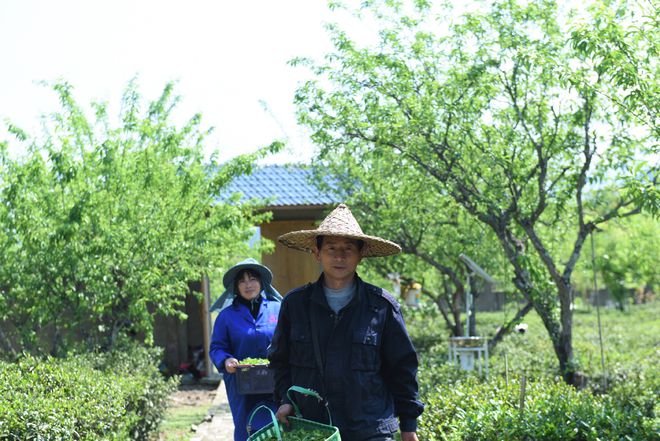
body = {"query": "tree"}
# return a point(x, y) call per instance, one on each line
point(102, 226)
point(497, 114)
point(621, 41)
point(393, 200)
point(627, 258)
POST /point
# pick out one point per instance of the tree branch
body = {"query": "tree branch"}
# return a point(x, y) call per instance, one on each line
point(588, 155)
point(516, 106)
point(506, 328)
point(543, 253)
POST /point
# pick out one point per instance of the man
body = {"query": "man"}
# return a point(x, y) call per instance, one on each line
point(346, 339)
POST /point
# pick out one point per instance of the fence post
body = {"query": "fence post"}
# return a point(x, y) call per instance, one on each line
point(523, 384)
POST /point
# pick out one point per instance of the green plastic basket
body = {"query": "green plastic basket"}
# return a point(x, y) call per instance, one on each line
point(275, 431)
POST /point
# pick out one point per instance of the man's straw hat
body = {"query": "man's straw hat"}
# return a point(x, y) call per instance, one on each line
point(340, 223)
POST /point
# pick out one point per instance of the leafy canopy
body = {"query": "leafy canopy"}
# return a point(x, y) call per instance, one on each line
point(101, 226)
point(498, 110)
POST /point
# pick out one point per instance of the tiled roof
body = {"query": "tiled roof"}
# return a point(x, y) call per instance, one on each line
point(281, 185)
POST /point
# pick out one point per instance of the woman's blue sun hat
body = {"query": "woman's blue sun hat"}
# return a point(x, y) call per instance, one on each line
point(265, 275)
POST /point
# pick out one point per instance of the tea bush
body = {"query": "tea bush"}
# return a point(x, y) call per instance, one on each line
point(620, 403)
point(629, 343)
point(470, 409)
point(115, 396)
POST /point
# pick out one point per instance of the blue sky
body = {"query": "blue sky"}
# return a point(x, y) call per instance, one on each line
point(228, 57)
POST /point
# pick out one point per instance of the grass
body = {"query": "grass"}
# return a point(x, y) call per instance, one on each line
point(631, 339)
point(179, 420)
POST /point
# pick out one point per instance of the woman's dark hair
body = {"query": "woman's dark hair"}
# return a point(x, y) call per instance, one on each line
point(319, 242)
point(249, 272)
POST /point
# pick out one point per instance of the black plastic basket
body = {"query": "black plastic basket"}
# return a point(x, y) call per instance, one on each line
point(274, 431)
point(254, 379)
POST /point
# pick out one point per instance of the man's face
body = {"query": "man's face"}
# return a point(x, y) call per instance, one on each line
point(339, 257)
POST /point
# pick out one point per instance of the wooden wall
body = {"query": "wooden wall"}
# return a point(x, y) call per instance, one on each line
point(291, 268)
point(179, 337)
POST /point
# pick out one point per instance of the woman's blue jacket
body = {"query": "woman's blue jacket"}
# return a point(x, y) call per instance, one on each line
point(237, 334)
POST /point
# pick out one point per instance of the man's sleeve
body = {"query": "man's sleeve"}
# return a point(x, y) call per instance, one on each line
point(400, 365)
point(278, 355)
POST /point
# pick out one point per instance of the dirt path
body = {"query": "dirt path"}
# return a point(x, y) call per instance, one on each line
point(219, 426)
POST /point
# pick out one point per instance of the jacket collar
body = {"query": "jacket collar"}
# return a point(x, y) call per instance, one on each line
point(263, 298)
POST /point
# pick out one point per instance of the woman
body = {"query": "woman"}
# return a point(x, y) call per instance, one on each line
point(243, 329)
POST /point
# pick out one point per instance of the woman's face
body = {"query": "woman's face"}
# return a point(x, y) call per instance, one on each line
point(249, 285)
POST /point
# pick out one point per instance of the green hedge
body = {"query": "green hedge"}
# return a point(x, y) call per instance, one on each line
point(470, 409)
point(462, 406)
point(114, 396)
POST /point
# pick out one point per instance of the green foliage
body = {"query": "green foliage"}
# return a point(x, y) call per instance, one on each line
point(622, 40)
point(114, 396)
point(422, 323)
point(103, 225)
point(628, 342)
point(497, 111)
point(473, 410)
point(257, 361)
point(626, 261)
point(392, 200)
point(462, 406)
point(628, 257)
point(299, 435)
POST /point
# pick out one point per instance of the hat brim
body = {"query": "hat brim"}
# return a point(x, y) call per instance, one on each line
point(305, 240)
point(264, 274)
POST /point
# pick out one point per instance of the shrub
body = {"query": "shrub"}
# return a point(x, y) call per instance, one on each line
point(114, 396)
point(462, 406)
point(473, 410)
point(148, 390)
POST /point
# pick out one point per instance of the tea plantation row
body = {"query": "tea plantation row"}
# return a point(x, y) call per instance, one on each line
point(622, 403)
point(114, 396)
point(122, 396)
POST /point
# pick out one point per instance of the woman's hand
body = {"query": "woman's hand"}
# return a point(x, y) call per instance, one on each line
point(230, 365)
point(282, 412)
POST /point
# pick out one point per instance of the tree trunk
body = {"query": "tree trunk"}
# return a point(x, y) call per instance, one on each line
point(438, 303)
point(56, 342)
point(564, 345)
point(455, 326)
point(561, 336)
point(560, 332)
point(564, 351)
point(6, 344)
point(456, 311)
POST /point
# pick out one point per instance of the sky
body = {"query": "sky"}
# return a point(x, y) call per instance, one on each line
point(228, 59)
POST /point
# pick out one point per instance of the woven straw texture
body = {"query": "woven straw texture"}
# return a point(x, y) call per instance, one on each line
point(340, 222)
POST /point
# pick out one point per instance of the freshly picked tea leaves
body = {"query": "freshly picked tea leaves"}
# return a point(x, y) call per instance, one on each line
point(301, 435)
point(253, 361)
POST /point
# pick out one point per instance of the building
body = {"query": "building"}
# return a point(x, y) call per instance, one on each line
point(296, 203)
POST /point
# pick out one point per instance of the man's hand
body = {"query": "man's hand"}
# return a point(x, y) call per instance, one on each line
point(409, 436)
point(282, 412)
point(230, 365)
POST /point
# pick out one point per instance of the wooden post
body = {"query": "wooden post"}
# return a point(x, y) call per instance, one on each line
point(206, 325)
point(522, 393)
